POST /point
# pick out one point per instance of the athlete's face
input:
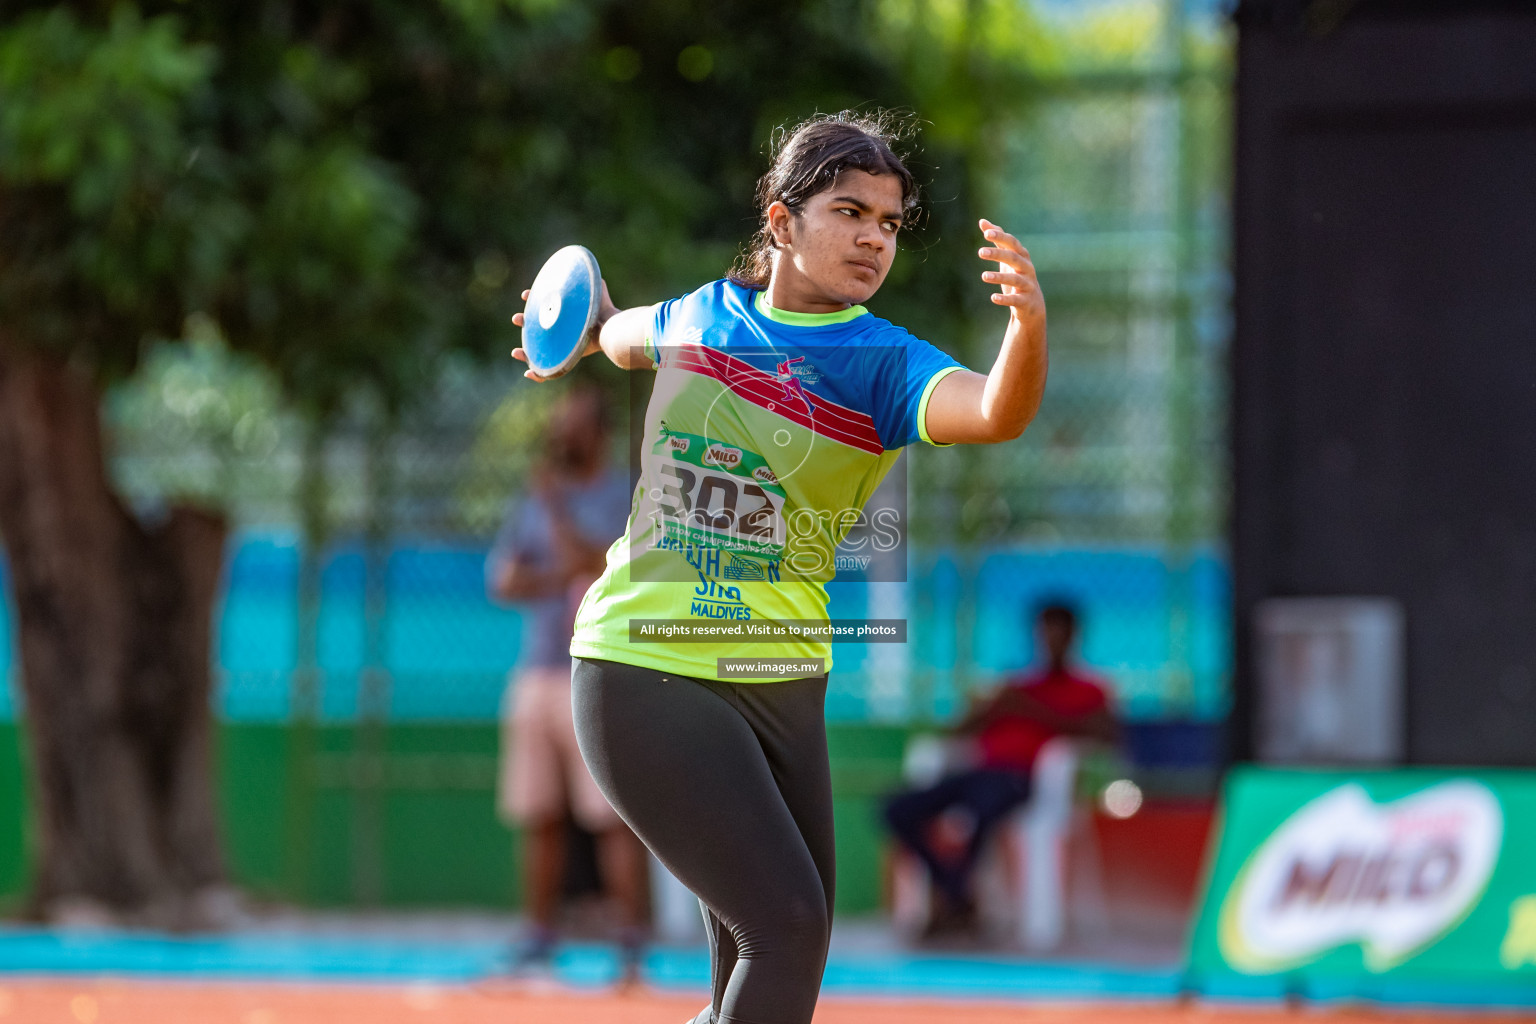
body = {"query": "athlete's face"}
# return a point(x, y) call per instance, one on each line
point(839, 248)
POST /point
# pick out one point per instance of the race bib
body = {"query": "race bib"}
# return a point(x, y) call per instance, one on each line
point(714, 494)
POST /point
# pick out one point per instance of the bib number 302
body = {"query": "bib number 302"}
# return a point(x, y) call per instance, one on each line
point(719, 502)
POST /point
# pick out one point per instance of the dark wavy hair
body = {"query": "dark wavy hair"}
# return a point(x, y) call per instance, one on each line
point(807, 160)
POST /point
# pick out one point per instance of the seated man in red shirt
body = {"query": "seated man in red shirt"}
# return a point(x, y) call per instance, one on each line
point(1009, 729)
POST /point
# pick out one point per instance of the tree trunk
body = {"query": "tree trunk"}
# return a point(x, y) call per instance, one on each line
point(114, 620)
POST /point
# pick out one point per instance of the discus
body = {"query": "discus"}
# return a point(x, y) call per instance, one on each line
point(563, 304)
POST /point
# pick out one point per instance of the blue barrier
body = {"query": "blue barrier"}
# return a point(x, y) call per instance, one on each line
point(447, 648)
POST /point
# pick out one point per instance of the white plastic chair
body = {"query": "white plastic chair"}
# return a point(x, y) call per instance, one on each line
point(1033, 841)
point(1041, 836)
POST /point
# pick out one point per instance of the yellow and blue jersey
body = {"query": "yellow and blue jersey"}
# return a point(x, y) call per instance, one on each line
point(766, 433)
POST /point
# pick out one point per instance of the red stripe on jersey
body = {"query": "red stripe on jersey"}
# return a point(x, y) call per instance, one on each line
point(825, 417)
point(849, 419)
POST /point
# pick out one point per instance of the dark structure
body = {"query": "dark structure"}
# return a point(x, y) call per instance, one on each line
point(1384, 417)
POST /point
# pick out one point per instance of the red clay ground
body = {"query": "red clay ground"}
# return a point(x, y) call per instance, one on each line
point(136, 1002)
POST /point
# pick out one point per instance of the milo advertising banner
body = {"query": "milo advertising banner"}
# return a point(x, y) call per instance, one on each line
point(1418, 885)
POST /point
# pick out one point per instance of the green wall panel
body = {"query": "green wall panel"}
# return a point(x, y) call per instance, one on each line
point(253, 769)
point(866, 765)
point(442, 848)
point(404, 815)
point(14, 816)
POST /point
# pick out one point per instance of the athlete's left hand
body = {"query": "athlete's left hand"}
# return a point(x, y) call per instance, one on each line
point(1019, 289)
point(967, 407)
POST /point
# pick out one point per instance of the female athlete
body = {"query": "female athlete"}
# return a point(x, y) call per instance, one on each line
point(779, 404)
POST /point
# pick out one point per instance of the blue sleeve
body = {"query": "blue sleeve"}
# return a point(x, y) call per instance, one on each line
point(908, 370)
point(660, 318)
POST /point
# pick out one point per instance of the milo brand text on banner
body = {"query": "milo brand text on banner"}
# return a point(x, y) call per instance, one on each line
point(1417, 884)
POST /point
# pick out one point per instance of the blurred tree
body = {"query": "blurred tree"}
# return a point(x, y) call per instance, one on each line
point(346, 191)
point(109, 221)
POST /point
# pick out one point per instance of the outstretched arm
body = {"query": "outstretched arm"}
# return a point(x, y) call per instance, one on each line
point(619, 334)
point(969, 408)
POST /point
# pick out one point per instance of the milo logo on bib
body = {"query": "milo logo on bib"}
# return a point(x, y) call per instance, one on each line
point(720, 455)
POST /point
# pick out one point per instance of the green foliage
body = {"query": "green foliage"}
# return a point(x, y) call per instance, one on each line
point(354, 190)
point(98, 111)
point(200, 422)
point(97, 203)
point(500, 462)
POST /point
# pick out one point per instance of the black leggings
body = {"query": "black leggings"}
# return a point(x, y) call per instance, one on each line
point(728, 785)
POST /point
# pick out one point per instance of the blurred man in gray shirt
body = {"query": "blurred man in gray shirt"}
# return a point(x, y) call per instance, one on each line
point(549, 549)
